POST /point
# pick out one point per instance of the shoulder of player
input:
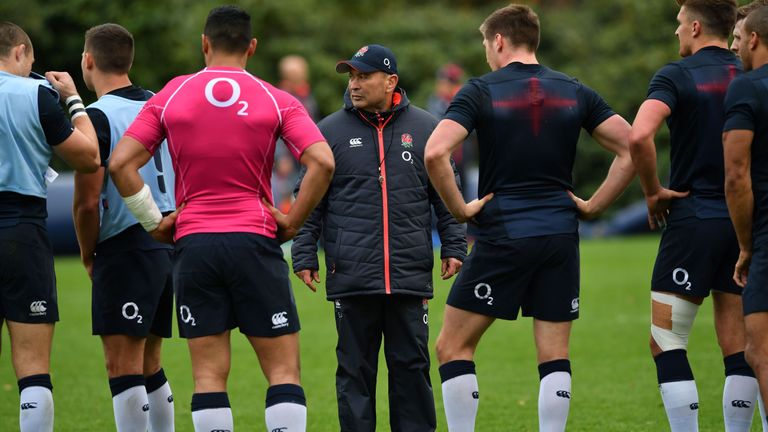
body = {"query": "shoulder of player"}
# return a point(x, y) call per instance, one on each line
point(337, 121)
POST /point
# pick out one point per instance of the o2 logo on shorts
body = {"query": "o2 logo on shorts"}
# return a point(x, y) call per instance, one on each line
point(186, 315)
point(232, 99)
point(131, 312)
point(680, 277)
point(483, 292)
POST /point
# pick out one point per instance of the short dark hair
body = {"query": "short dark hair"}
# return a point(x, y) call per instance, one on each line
point(518, 23)
point(111, 46)
point(747, 9)
point(228, 28)
point(718, 16)
point(11, 36)
point(757, 22)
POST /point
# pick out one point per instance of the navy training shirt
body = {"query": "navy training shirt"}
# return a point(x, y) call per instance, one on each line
point(528, 120)
point(694, 90)
point(746, 106)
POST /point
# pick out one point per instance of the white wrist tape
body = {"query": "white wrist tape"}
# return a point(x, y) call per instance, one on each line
point(144, 209)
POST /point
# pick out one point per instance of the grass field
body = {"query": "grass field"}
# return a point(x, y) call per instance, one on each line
point(614, 386)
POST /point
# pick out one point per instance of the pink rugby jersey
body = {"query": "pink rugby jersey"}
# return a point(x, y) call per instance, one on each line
point(222, 125)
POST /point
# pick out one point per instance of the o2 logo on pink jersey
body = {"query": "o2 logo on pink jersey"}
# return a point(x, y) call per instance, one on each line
point(232, 99)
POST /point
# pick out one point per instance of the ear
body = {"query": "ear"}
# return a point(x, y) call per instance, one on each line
point(206, 46)
point(89, 63)
point(393, 79)
point(754, 41)
point(19, 52)
point(696, 28)
point(498, 42)
point(252, 47)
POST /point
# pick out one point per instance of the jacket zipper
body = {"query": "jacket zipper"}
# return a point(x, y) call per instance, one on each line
point(384, 200)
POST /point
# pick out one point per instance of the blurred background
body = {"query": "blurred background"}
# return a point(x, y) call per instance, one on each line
point(613, 46)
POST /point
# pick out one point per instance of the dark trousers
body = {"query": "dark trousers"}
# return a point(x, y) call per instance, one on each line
point(361, 321)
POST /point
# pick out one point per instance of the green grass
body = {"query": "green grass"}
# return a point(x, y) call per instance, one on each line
point(614, 386)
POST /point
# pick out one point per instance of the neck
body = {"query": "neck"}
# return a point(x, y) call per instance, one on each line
point(759, 58)
point(704, 42)
point(226, 60)
point(105, 83)
point(518, 55)
point(384, 107)
point(5, 67)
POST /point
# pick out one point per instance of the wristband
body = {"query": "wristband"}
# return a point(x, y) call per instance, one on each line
point(78, 114)
point(144, 209)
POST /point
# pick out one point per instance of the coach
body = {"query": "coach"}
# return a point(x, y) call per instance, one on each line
point(376, 224)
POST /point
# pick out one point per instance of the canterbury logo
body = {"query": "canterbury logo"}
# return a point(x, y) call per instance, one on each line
point(28, 405)
point(145, 408)
point(741, 404)
point(37, 307)
point(356, 142)
point(170, 399)
point(563, 394)
point(475, 395)
point(280, 429)
point(279, 320)
point(694, 406)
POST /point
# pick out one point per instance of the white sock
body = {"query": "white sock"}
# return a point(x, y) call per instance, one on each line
point(36, 410)
point(762, 412)
point(131, 409)
point(460, 399)
point(739, 394)
point(681, 401)
point(219, 419)
point(286, 417)
point(161, 409)
point(554, 401)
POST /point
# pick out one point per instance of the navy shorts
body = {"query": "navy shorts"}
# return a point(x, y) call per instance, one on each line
point(27, 276)
point(228, 280)
point(696, 258)
point(539, 275)
point(132, 291)
point(755, 297)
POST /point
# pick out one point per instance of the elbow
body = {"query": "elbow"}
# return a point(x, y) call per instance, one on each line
point(636, 141)
point(733, 183)
point(326, 164)
point(432, 157)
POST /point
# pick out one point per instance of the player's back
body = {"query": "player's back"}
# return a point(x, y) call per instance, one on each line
point(118, 110)
point(528, 120)
point(222, 125)
point(694, 89)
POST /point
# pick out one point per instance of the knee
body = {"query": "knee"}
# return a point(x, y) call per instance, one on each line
point(448, 350)
point(671, 322)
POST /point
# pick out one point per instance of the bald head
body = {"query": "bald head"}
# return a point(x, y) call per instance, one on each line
point(294, 68)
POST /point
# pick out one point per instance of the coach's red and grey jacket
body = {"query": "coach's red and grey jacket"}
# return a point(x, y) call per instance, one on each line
point(376, 218)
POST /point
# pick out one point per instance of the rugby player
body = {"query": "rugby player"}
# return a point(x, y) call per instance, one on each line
point(33, 127)
point(222, 124)
point(698, 246)
point(746, 184)
point(528, 120)
point(132, 301)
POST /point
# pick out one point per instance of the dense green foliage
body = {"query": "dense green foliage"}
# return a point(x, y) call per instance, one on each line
point(613, 46)
point(614, 380)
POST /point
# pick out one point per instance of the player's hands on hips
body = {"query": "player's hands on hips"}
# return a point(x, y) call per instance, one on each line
point(62, 82)
point(658, 206)
point(285, 230)
point(585, 208)
point(449, 267)
point(309, 277)
point(741, 271)
point(472, 209)
point(164, 232)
